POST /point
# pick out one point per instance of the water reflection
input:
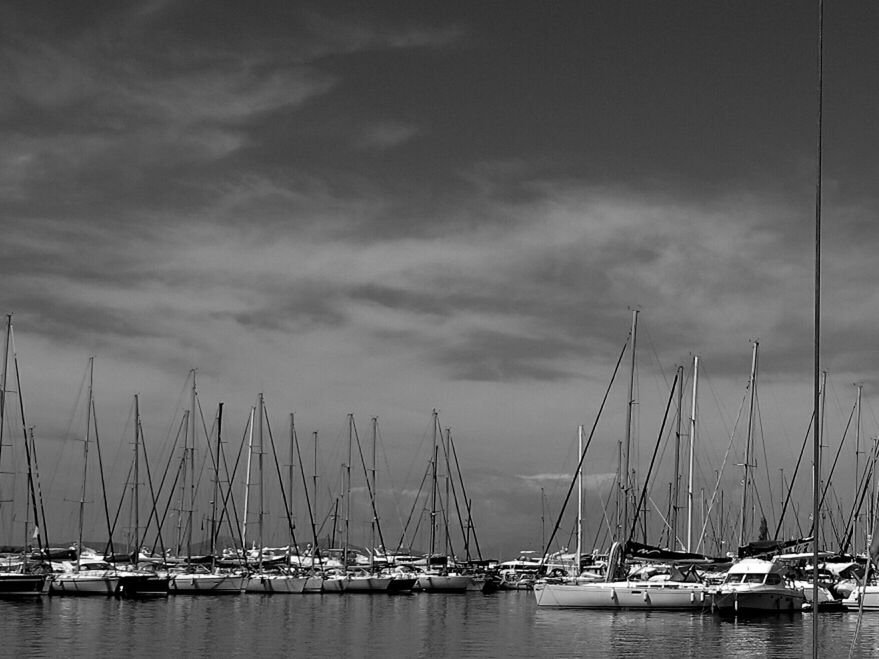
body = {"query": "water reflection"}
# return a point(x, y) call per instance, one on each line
point(423, 625)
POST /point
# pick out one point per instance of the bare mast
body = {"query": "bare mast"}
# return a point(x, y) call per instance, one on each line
point(746, 482)
point(692, 454)
point(625, 476)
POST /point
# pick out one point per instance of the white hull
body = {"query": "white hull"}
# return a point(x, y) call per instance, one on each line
point(366, 584)
point(275, 583)
point(333, 585)
point(438, 583)
point(208, 584)
point(84, 583)
point(623, 595)
point(313, 585)
point(870, 595)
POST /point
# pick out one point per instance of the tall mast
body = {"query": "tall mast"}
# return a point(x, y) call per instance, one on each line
point(348, 492)
point(314, 473)
point(247, 480)
point(216, 484)
point(857, 455)
point(746, 482)
point(3, 382)
point(192, 416)
point(315, 552)
point(447, 506)
point(292, 449)
point(433, 494)
point(626, 475)
point(374, 492)
point(135, 490)
point(816, 446)
point(261, 489)
point(85, 459)
point(579, 502)
point(673, 541)
point(692, 454)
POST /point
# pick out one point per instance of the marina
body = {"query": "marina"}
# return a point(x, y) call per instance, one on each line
point(419, 625)
point(532, 329)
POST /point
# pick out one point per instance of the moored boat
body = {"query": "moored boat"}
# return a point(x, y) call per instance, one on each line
point(759, 587)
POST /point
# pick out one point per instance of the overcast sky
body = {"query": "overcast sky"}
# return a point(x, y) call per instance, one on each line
point(386, 208)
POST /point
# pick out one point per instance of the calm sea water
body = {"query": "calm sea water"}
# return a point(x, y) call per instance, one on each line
point(504, 624)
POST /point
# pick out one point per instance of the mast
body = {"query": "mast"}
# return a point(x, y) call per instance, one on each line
point(542, 520)
point(857, 453)
point(816, 446)
point(85, 459)
point(579, 502)
point(247, 481)
point(743, 537)
point(447, 506)
point(261, 489)
point(135, 490)
point(191, 472)
point(314, 473)
point(673, 541)
point(216, 486)
point(290, 480)
point(627, 447)
point(348, 492)
point(692, 454)
point(3, 382)
point(374, 493)
point(433, 494)
point(315, 553)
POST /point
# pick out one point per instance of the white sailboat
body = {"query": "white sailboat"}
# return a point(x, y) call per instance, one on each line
point(85, 576)
point(656, 585)
point(19, 576)
point(263, 580)
point(193, 578)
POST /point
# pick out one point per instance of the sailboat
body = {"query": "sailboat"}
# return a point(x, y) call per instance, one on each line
point(356, 580)
point(667, 580)
point(439, 576)
point(200, 578)
point(135, 579)
point(264, 580)
point(19, 576)
point(89, 574)
point(754, 585)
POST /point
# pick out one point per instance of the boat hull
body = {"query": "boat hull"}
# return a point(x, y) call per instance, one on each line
point(366, 584)
point(206, 584)
point(757, 602)
point(622, 595)
point(275, 583)
point(430, 583)
point(16, 584)
point(84, 584)
point(402, 584)
point(142, 585)
point(869, 595)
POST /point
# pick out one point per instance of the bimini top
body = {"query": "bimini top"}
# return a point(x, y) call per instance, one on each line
point(755, 566)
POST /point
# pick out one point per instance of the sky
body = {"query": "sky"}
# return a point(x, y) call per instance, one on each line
point(384, 209)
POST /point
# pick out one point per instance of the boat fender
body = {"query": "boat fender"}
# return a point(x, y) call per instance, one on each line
point(736, 602)
point(646, 596)
point(692, 597)
point(613, 594)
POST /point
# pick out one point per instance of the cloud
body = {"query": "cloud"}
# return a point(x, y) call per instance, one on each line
point(386, 136)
